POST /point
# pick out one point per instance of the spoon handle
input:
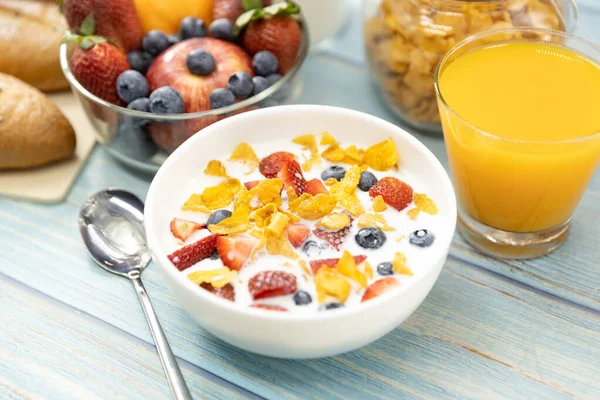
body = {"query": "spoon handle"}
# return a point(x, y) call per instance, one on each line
point(176, 382)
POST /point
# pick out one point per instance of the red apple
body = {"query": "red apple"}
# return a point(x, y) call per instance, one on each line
point(170, 69)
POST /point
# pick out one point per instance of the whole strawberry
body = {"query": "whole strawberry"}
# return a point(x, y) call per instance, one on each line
point(280, 34)
point(96, 66)
point(116, 20)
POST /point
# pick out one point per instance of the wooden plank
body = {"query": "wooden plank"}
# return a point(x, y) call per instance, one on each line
point(53, 351)
point(501, 340)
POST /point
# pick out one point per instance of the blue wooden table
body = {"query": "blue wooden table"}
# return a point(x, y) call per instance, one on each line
point(489, 329)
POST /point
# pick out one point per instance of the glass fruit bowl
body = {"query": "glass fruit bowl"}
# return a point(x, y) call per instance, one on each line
point(132, 136)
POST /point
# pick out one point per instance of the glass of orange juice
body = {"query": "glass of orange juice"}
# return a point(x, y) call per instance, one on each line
point(520, 111)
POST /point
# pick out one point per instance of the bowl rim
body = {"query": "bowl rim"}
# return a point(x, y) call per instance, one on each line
point(182, 281)
point(251, 101)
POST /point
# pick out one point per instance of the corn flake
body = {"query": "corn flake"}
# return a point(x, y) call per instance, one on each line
point(291, 194)
point(304, 267)
point(382, 156)
point(328, 281)
point(244, 153)
point(215, 168)
point(213, 197)
point(334, 153)
point(194, 203)
point(280, 245)
point(310, 143)
point(313, 207)
point(276, 225)
point(344, 191)
point(334, 221)
point(352, 156)
point(327, 139)
point(413, 213)
point(347, 267)
point(425, 204)
point(262, 216)
point(240, 218)
point(379, 204)
point(268, 191)
point(368, 270)
point(399, 265)
point(374, 220)
point(218, 277)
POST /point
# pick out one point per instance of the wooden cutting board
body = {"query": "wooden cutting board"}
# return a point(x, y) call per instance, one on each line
point(50, 184)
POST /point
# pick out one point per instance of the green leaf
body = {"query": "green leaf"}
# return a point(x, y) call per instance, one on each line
point(86, 43)
point(252, 4)
point(88, 26)
point(70, 37)
point(281, 8)
point(60, 5)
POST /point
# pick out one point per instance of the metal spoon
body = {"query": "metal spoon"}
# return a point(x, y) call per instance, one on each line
point(111, 223)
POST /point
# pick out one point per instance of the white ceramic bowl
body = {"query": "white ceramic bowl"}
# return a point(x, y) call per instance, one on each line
point(286, 334)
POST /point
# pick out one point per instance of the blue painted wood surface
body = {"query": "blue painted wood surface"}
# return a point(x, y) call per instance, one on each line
point(489, 329)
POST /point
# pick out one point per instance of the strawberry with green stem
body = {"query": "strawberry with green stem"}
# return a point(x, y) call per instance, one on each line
point(96, 63)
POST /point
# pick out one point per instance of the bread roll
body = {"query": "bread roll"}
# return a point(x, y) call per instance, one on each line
point(30, 36)
point(33, 131)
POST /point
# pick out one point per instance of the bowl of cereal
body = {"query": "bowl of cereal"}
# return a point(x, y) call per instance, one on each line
point(406, 39)
point(290, 232)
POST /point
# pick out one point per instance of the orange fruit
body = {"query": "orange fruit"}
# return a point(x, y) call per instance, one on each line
point(165, 15)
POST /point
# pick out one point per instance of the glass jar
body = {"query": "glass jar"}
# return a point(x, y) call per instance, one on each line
point(405, 40)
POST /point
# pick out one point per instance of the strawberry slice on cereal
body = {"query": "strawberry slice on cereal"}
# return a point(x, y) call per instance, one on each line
point(315, 265)
point(271, 284)
point(271, 165)
point(334, 238)
point(297, 234)
point(394, 192)
point(183, 229)
point(315, 186)
point(380, 287)
point(291, 176)
point(234, 250)
point(193, 253)
point(227, 292)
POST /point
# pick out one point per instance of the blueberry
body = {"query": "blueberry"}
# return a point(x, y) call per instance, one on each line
point(367, 179)
point(260, 84)
point(241, 85)
point(221, 98)
point(370, 238)
point(332, 306)
point(141, 104)
point(273, 78)
point(166, 100)
point(132, 85)
point(336, 172)
point(140, 61)
point(311, 248)
point(221, 28)
point(192, 27)
point(421, 238)
point(133, 141)
point(218, 216)
point(302, 298)
point(200, 62)
point(385, 268)
point(155, 42)
point(264, 63)
point(173, 39)
point(214, 255)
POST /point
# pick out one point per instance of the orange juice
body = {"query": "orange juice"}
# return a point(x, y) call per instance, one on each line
point(521, 123)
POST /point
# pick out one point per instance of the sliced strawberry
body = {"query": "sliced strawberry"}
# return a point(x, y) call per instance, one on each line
point(234, 250)
point(271, 165)
point(332, 262)
point(227, 292)
point(394, 192)
point(268, 307)
point(315, 186)
point(297, 234)
point(380, 287)
point(291, 175)
point(271, 284)
point(183, 229)
point(193, 253)
point(251, 184)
